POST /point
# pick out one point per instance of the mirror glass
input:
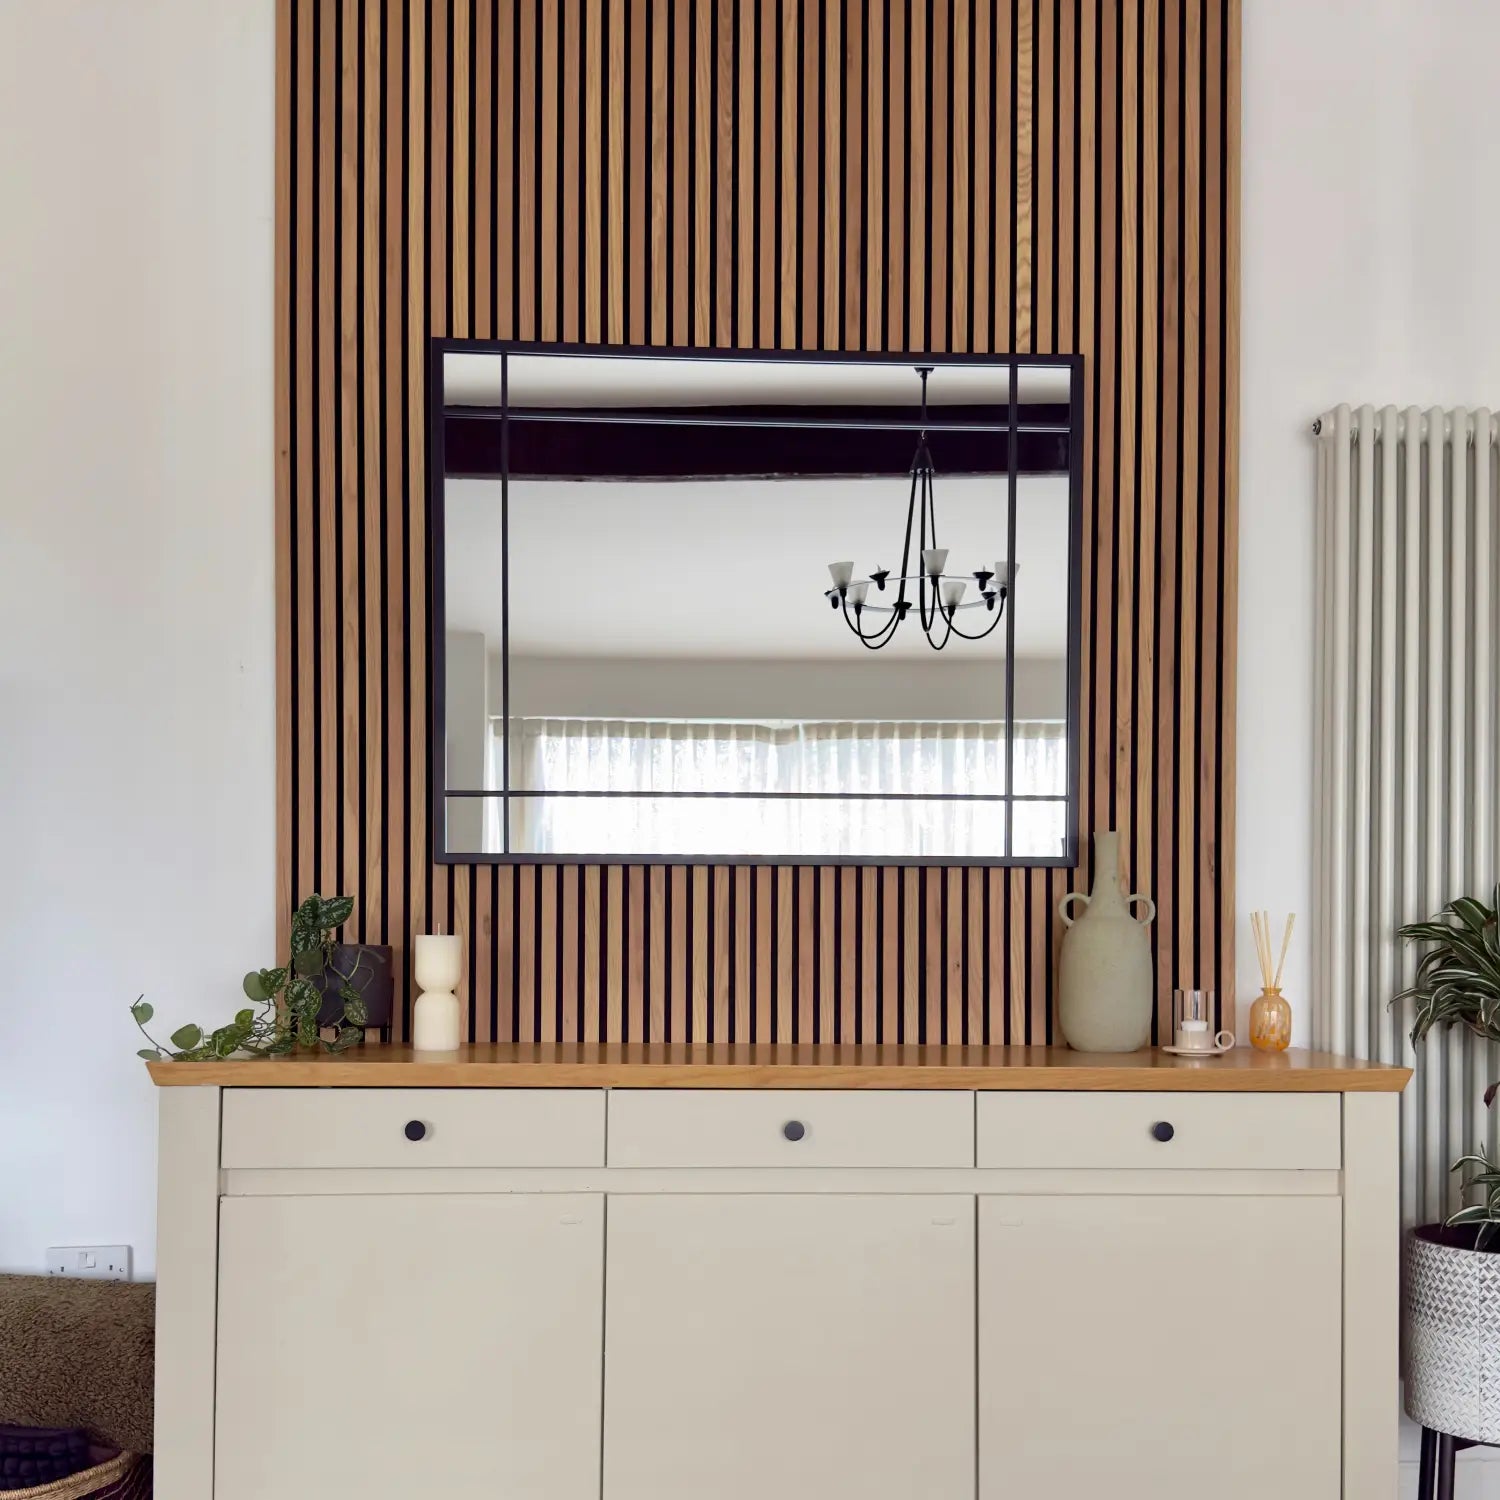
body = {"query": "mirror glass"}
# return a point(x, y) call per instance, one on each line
point(814, 609)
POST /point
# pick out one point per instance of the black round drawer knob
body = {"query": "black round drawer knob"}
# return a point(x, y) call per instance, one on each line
point(1162, 1130)
point(794, 1130)
point(415, 1130)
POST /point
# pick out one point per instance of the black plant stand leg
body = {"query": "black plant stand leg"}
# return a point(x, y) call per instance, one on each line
point(1447, 1451)
point(1426, 1471)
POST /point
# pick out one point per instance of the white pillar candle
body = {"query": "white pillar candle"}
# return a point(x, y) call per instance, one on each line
point(437, 964)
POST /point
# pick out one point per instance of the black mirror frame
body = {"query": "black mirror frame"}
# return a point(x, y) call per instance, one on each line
point(439, 347)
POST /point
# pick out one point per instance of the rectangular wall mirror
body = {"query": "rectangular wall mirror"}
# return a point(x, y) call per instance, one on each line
point(703, 606)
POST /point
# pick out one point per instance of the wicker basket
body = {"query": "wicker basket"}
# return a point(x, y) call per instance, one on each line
point(1452, 1334)
point(126, 1476)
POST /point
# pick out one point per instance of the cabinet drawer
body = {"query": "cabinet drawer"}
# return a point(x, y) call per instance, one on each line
point(790, 1128)
point(458, 1128)
point(1265, 1131)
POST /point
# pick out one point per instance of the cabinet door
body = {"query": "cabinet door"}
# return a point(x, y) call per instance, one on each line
point(804, 1347)
point(409, 1345)
point(1161, 1347)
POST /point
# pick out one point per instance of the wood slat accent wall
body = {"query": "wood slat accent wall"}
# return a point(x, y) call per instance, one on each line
point(1044, 175)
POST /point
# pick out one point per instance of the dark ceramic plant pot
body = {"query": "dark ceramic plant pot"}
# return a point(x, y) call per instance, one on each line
point(367, 966)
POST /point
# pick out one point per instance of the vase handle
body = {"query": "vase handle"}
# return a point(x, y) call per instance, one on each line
point(1062, 906)
point(1150, 909)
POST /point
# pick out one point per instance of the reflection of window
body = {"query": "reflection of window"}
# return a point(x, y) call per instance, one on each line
point(818, 772)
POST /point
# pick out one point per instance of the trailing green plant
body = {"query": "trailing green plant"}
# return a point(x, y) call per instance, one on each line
point(1457, 983)
point(285, 1001)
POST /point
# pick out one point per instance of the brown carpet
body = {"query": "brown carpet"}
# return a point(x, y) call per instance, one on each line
point(79, 1354)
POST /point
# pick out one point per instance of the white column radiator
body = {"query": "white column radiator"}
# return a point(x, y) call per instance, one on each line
point(1407, 688)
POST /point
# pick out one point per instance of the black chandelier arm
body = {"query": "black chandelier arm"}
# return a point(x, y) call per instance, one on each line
point(877, 638)
point(999, 615)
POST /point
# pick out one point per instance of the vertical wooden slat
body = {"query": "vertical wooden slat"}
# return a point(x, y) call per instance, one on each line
point(766, 918)
point(810, 178)
point(770, 170)
point(957, 321)
point(460, 326)
point(591, 998)
point(594, 173)
point(832, 185)
point(658, 960)
point(483, 215)
point(615, 330)
point(371, 498)
point(722, 956)
point(656, 276)
point(1169, 511)
point(285, 262)
point(908, 175)
point(746, 268)
point(790, 171)
point(396, 480)
point(325, 553)
point(918, 182)
point(1225, 744)
point(852, 143)
point(504, 940)
point(1188, 831)
point(889, 937)
point(642, 226)
point(894, 228)
point(869, 955)
point(1025, 204)
point(640, 1006)
point(346, 579)
point(939, 238)
point(876, 220)
point(986, 135)
point(807, 952)
point(702, 65)
point(679, 937)
point(526, 946)
point(722, 264)
point(680, 212)
point(551, 129)
point(1207, 768)
point(570, 922)
point(419, 315)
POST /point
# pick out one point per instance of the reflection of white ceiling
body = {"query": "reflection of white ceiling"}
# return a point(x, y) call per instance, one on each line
point(584, 380)
point(734, 568)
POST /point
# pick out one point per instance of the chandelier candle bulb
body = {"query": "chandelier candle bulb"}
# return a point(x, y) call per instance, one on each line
point(934, 560)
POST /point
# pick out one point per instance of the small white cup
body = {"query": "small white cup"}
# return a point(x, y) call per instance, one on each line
point(1194, 1036)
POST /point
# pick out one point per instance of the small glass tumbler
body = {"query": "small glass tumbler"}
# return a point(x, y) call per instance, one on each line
point(1271, 1021)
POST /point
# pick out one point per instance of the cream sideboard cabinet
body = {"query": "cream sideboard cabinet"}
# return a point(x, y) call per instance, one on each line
point(592, 1274)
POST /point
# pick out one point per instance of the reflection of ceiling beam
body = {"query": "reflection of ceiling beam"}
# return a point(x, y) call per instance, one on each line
point(685, 443)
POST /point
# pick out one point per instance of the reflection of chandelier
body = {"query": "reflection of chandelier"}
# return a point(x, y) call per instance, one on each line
point(940, 595)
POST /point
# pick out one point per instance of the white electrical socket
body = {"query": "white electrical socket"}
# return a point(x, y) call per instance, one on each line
point(90, 1262)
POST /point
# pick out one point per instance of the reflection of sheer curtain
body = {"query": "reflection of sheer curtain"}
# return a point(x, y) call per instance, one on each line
point(641, 755)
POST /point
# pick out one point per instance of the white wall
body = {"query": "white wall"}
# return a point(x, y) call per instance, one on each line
point(1370, 232)
point(136, 636)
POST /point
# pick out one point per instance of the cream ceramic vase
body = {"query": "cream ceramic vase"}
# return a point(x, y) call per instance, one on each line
point(1104, 977)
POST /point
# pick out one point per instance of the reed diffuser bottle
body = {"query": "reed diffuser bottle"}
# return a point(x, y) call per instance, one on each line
point(1270, 1015)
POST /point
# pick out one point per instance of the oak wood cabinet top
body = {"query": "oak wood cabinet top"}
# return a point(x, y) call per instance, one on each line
point(807, 1066)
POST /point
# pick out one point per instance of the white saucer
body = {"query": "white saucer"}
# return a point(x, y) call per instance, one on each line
point(1197, 1051)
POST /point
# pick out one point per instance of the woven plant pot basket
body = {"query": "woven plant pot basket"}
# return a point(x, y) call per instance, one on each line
point(1452, 1334)
point(126, 1476)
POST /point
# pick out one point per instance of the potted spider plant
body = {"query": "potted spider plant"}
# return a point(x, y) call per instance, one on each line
point(1452, 1304)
